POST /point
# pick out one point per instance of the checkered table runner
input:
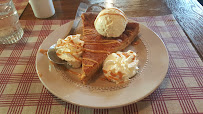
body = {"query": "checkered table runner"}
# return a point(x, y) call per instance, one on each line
point(22, 92)
point(20, 5)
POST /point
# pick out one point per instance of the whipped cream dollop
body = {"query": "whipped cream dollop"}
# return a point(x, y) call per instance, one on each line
point(111, 22)
point(120, 66)
point(70, 49)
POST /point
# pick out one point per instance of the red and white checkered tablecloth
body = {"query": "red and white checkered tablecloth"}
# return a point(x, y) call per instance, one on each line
point(22, 92)
point(20, 5)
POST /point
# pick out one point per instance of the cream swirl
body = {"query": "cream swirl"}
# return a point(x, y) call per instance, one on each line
point(120, 66)
point(70, 49)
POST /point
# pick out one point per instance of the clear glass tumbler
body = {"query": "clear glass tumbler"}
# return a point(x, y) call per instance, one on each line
point(10, 28)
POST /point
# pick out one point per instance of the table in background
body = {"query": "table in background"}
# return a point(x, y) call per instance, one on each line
point(20, 5)
point(188, 13)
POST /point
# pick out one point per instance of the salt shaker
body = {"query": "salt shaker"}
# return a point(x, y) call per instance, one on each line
point(42, 8)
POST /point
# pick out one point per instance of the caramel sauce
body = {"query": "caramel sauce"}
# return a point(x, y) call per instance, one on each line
point(76, 45)
point(108, 78)
point(69, 42)
point(112, 14)
point(61, 44)
point(120, 14)
point(76, 57)
point(105, 71)
point(121, 82)
point(118, 54)
point(130, 32)
point(102, 43)
point(43, 51)
point(71, 55)
point(88, 31)
point(111, 77)
point(126, 55)
point(113, 74)
point(51, 62)
point(88, 65)
point(133, 57)
point(96, 51)
point(58, 54)
point(120, 74)
point(135, 43)
point(73, 72)
point(40, 75)
point(90, 60)
point(68, 52)
point(104, 79)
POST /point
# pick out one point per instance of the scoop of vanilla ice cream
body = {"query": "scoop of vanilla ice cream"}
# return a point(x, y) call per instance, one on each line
point(110, 22)
point(70, 49)
point(120, 66)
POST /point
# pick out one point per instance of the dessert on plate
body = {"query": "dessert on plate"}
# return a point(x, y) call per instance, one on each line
point(103, 35)
point(99, 43)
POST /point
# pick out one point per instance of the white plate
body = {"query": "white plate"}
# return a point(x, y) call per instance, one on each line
point(153, 65)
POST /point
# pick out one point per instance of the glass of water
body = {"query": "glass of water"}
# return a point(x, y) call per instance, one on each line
point(10, 28)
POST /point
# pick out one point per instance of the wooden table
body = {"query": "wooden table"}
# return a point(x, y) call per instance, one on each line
point(189, 14)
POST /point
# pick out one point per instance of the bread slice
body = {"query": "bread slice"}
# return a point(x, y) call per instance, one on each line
point(98, 47)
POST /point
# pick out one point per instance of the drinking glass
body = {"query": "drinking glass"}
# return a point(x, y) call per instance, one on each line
point(10, 28)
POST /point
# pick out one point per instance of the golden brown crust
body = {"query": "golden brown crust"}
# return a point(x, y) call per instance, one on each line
point(97, 47)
